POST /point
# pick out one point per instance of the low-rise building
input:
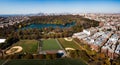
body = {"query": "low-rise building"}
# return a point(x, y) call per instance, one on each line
point(2, 40)
point(105, 37)
point(90, 31)
point(110, 47)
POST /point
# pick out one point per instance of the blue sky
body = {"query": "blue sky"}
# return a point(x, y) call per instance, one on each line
point(59, 6)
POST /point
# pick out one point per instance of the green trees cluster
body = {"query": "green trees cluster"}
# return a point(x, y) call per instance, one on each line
point(30, 56)
point(8, 42)
point(56, 19)
point(15, 30)
point(41, 33)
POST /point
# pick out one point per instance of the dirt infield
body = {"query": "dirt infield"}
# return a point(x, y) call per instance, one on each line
point(69, 49)
point(68, 39)
point(13, 50)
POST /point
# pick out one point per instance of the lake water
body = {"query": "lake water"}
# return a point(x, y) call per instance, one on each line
point(39, 26)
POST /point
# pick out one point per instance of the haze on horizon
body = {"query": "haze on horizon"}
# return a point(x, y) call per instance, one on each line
point(59, 6)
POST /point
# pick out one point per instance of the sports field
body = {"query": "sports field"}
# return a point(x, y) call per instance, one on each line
point(68, 44)
point(29, 46)
point(63, 61)
point(51, 44)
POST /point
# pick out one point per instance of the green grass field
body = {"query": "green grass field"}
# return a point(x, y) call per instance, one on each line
point(50, 44)
point(29, 46)
point(66, 44)
point(1, 61)
point(65, 61)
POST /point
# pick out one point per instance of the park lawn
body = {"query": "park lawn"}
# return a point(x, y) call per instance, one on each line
point(29, 46)
point(62, 61)
point(50, 44)
point(1, 61)
point(70, 44)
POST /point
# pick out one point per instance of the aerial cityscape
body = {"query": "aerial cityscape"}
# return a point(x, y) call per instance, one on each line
point(59, 32)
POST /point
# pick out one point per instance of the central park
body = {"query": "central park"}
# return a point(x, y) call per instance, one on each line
point(47, 40)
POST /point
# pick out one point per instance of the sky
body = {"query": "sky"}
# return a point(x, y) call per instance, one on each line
point(59, 6)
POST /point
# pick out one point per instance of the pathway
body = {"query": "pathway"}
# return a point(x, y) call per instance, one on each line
point(59, 44)
point(5, 61)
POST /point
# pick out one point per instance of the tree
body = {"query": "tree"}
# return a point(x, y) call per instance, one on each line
point(28, 56)
point(9, 42)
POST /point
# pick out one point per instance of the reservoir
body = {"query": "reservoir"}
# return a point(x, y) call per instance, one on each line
point(39, 26)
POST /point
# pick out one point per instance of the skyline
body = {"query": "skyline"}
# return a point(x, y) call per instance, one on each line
point(59, 6)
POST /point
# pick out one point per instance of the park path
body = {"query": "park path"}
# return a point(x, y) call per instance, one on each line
point(65, 53)
point(83, 49)
point(59, 44)
point(40, 44)
point(5, 61)
point(79, 45)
